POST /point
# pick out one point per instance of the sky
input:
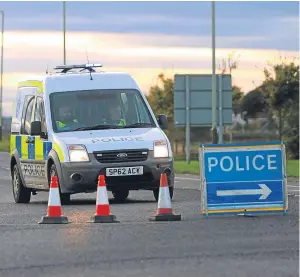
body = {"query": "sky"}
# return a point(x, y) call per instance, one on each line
point(146, 38)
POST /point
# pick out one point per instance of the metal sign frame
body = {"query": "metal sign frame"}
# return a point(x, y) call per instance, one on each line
point(193, 100)
point(247, 209)
point(193, 103)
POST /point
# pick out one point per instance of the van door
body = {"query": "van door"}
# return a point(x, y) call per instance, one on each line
point(23, 143)
point(41, 146)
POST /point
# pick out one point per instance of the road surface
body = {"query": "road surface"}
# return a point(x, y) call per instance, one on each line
point(224, 246)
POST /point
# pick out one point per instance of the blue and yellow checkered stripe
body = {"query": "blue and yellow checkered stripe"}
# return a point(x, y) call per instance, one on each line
point(39, 150)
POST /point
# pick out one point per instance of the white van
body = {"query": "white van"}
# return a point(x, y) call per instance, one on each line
point(77, 123)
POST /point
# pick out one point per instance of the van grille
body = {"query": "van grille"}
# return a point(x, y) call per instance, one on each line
point(120, 156)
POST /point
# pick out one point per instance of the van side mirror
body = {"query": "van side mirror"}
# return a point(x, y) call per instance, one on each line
point(35, 128)
point(163, 121)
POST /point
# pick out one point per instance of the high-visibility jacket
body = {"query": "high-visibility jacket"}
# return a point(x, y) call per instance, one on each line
point(62, 125)
point(122, 122)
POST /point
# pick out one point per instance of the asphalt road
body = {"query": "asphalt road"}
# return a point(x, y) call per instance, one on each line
point(222, 246)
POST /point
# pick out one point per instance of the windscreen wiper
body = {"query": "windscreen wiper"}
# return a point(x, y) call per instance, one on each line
point(97, 127)
point(137, 125)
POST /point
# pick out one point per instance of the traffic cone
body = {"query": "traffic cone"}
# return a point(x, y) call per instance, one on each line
point(164, 210)
point(102, 214)
point(54, 212)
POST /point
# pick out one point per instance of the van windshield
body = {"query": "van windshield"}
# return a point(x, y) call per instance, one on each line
point(98, 109)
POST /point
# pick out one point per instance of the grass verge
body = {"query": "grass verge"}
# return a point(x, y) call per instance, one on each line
point(292, 168)
point(181, 167)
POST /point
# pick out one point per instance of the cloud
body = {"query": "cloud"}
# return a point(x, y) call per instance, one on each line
point(143, 56)
point(113, 19)
point(23, 44)
point(239, 25)
point(290, 19)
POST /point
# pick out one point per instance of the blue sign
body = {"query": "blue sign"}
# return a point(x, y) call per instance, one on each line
point(243, 178)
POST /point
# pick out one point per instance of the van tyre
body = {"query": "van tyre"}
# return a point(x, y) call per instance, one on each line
point(20, 192)
point(156, 193)
point(64, 197)
point(120, 195)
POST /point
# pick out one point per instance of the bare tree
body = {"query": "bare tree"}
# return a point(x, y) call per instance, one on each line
point(229, 63)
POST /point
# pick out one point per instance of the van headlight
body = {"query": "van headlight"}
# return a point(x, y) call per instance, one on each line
point(161, 149)
point(78, 153)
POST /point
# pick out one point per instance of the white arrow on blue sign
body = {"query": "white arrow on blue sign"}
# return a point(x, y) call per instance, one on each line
point(264, 191)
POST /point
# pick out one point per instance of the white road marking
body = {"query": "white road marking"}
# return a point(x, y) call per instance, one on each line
point(184, 178)
point(194, 179)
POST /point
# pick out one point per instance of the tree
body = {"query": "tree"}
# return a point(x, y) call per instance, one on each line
point(253, 103)
point(291, 133)
point(237, 96)
point(161, 100)
point(227, 65)
point(282, 94)
point(282, 90)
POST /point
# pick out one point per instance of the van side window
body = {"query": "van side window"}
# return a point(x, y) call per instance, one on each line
point(39, 114)
point(39, 109)
point(27, 112)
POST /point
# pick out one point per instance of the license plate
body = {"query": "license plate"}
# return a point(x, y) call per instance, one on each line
point(124, 171)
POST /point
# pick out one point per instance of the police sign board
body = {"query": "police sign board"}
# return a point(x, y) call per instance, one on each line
point(243, 178)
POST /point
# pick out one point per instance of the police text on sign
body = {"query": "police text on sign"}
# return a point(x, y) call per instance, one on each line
point(258, 162)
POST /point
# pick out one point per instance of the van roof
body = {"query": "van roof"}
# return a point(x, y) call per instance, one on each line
point(44, 77)
point(81, 80)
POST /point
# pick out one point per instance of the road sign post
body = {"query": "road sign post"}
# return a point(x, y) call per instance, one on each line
point(220, 111)
point(187, 115)
point(244, 178)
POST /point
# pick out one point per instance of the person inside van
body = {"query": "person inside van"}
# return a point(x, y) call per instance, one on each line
point(115, 113)
point(66, 119)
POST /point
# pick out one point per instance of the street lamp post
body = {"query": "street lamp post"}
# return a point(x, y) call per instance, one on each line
point(1, 85)
point(64, 29)
point(214, 88)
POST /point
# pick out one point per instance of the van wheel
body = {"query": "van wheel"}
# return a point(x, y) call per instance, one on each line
point(64, 197)
point(21, 194)
point(156, 193)
point(120, 195)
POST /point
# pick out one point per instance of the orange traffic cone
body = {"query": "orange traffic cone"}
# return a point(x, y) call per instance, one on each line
point(102, 214)
point(164, 210)
point(54, 212)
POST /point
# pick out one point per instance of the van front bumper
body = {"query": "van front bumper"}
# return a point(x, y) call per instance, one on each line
point(83, 177)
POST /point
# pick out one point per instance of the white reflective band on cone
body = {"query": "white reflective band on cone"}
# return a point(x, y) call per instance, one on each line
point(54, 198)
point(102, 197)
point(164, 200)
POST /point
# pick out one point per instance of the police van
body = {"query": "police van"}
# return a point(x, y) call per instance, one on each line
point(77, 123)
